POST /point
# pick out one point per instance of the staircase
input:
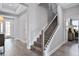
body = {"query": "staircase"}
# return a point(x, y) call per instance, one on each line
point(38, 45)
point(47, 33)
point(45, 37)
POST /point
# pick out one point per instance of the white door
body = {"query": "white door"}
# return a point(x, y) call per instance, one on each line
point(9, 26)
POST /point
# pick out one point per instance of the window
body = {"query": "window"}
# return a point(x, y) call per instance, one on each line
point(1, 26)
point(7, 28)
point(75, 24)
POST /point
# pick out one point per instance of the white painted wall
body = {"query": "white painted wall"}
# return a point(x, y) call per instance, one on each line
point(20, 28)
point(37, 20)
point(58, 38)
point(23, 27)
point(16, 28)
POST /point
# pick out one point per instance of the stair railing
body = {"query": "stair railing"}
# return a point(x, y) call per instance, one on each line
point(48, 31)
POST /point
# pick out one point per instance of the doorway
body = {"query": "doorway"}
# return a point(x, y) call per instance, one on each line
point(9, 28)
point(71, 36)
point(72, 29)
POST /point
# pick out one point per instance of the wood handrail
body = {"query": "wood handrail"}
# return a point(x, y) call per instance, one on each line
point(46, 27)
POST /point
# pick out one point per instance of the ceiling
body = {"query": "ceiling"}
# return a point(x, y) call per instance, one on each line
point(63, 5)
point(20, 8)
point(13, 8)
point(68, 5)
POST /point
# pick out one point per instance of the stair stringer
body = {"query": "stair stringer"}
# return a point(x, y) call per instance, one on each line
point(47, 48)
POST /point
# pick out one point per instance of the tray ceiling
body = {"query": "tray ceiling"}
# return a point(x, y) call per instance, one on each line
point(13, 8)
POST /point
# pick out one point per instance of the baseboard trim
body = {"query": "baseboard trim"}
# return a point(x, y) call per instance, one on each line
point(48, 54)
point(23, 41)
point(20, 40)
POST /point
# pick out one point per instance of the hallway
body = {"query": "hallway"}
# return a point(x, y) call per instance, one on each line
point(16, 48)
point(68, 49)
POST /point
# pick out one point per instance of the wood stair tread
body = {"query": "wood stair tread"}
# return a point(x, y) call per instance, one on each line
point(38, 44)
point(39, 40)
point(37, 48)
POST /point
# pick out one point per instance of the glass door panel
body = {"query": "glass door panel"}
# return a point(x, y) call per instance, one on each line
point(7, 28)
